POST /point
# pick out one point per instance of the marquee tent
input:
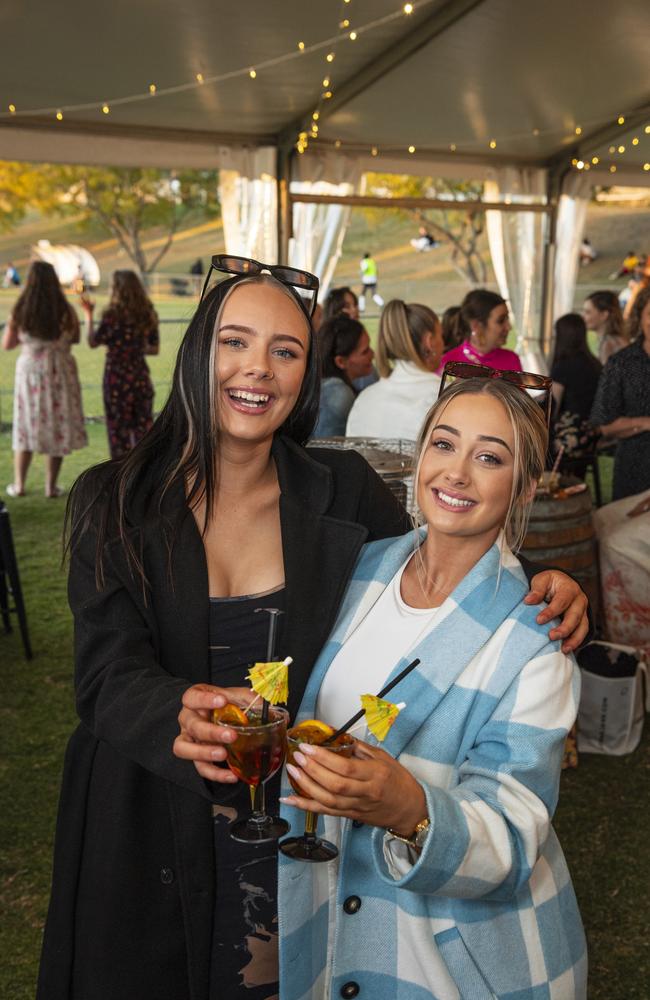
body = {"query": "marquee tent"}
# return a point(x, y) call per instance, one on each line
point(539, 100)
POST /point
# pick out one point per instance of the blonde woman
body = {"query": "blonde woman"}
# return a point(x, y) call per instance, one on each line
point(409, 349)
point(451, 881)
point(129, 331)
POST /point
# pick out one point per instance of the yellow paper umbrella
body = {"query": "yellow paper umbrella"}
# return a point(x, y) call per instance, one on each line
point(380, 714)
point(271, 680)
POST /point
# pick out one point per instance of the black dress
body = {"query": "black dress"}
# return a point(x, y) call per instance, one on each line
point(624, 391)
point(245, 936)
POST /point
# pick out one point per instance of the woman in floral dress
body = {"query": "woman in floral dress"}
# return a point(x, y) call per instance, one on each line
point(48, 416)
point(129, 329)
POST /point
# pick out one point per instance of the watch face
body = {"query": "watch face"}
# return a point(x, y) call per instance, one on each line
point(421, 837)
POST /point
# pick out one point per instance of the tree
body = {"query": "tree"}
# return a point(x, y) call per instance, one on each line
point(126, 201)
point(460, 229)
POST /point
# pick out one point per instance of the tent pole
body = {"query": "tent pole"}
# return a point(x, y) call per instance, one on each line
point(548, 271)
point(283, 200)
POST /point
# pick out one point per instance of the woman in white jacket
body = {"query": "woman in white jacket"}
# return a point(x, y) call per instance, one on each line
point(409, 349)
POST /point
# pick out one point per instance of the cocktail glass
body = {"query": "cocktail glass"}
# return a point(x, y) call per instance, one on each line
point(255, 756)
point(310, 847)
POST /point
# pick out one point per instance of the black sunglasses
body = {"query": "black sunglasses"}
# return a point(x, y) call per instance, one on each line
point(525, 380)
point(305, 283)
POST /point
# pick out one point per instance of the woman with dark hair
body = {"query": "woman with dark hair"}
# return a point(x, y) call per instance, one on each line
point(346, 355)
point(341, 300)
point(485, 324)
point(602, 313)
point(48, 416)
point(217, 512)
point(622, 406)
point(452, 331)
point(575, 373)
point(129, 329)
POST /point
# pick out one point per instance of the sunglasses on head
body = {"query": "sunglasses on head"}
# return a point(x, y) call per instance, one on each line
point(305, 283)
point(528, 381)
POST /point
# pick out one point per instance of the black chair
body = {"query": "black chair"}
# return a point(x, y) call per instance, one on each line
point(11, 595)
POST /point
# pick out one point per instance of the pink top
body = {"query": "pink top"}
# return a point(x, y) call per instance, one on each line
point(505, 361)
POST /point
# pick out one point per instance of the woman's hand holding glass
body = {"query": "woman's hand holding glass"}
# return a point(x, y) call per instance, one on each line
point(371, 787)
point(203, 741)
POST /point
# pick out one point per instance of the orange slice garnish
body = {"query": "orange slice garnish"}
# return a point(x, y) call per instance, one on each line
point(230, 715)
point(312, 731)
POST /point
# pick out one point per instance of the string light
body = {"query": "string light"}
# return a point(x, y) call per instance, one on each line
point(152, 88)
point(199, 77)
point(574, 161)
point(106, 109)
point(411, 149)
point(353, 36)
point(595, 160)
point(326, 81)
point(535, 131)
point(316, 115)
point(327, 95)
point(621, 149)
point(301, 46)
point(578, 130)
point(12, 109)
point(344, 23)
point(408, 8)
point(59, 116)
point(374, 151)
point(646, 166)
point(330, 57)
point(635, 141)
point(621, 120)
point(337, 144)
point(612, 149)
point(493, 144)
point(647, 130)
point(580, 164)
point(453, 147)
point(252, 73)
point(612, 169)
point(587, 166)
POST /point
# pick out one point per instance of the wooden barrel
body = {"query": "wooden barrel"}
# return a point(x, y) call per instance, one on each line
point(391, 458)
point(561, 534)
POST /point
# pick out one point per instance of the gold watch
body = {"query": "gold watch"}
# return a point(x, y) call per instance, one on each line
point(417, 838)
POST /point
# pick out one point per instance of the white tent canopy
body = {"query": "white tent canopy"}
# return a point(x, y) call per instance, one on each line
point(500, 90)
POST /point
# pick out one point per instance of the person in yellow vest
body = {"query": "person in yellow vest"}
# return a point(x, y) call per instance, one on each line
point(368, 268)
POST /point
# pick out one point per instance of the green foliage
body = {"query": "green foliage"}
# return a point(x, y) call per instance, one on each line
point(461, 230)
point(126, 201)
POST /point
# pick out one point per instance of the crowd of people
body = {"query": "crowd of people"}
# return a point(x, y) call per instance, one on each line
point(214, 510)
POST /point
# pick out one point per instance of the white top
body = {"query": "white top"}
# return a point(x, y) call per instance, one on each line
point(394, 407)
point(370, 654)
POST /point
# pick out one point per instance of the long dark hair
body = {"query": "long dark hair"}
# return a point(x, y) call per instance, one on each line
point(42, 309)
point(338, 336)
point(182, 443)
point(607, 301)
point(571, 340)
point(634, 319)
point(335, 301)
point(129, 303)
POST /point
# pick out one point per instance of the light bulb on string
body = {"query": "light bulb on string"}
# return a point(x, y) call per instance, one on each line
point(301, 46)
point(106, 109)
point(411, 149)
point(635, 141)
point(574, 161)
point(453, 147)
point(493, 144)
point(374, 151)
point(353, 36)
point(580, 164)
point(330, 57)
point(252, 73)
point(647, 130)
point(595, 160)
point(646, 166)
point(621, 120)
point(327, 94)
point(612, 169)
point(199, 77)
point(316, 115)
point(621, 149)
point(326, 81)
point(59, 116)
point(408, 8)
point(152, 88)
point(345, 23)
point(612, 149)
point(578, 130)
point(12, 109)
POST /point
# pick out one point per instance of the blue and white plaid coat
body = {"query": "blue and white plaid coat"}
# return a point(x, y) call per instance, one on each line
point(489, 905)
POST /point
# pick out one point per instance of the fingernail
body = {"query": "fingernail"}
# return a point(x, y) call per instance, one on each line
point(286, 800)
point(217, 754)
point(218, 701)
point(307, 748)
point(293, 771)
point(300, 758)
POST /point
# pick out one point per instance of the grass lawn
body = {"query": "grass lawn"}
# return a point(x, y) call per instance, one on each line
point(602, 818)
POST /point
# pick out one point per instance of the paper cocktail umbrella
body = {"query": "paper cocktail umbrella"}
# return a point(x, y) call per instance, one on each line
point(380, 714)
point(271, 680)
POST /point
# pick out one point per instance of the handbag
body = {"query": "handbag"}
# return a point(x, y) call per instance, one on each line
point(612, 708)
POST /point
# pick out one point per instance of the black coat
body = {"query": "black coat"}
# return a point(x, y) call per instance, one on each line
point(133, 892)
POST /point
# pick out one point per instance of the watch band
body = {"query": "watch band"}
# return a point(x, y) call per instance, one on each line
point(417, 838)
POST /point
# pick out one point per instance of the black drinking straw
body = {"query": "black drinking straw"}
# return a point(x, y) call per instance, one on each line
point(362, 712)
point(270, 650)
